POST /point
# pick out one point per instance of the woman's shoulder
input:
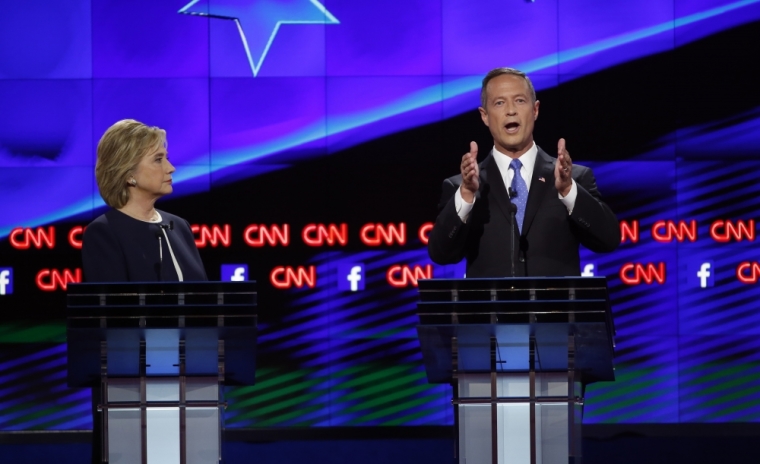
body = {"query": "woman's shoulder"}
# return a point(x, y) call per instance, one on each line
point(99, 223)
point(115, 222)
point(101, 229)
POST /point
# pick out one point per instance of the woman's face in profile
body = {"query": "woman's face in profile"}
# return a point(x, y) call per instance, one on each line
point(154, 174)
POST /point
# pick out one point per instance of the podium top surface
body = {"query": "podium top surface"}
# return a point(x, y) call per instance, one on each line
point(188, 288)
point(514, 283)
point(161, 299)
point(514, 300)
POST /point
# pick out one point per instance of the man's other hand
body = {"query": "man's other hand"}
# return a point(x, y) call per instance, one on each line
point(470, 173)
point(563, 170)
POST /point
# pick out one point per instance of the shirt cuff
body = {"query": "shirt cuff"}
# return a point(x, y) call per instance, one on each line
point(569, 200)
point(463, 208)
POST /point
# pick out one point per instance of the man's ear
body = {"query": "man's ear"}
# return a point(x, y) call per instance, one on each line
point(535, 110)
point(483, 115)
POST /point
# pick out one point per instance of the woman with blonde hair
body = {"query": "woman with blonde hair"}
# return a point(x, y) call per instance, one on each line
point(134, 241)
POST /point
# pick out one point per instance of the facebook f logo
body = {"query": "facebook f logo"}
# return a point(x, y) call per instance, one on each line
point(351, 277)
point(234, 272)
point(6, 281)
point(701, 274)
point(705, 275)
point(589, 270)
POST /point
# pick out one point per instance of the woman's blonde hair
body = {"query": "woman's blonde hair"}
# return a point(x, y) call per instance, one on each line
point(119, 152)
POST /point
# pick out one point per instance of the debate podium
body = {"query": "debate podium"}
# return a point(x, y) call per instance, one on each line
point(157, 356)
point(518, 353)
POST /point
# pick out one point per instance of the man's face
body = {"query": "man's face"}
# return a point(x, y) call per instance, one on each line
point(510, 114)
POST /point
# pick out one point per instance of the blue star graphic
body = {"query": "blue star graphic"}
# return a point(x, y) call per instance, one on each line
point(259, 20)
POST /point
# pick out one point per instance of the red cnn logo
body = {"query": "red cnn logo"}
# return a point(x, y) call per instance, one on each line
point(23, 238)
point(286, 277)
point(629, 231)
point(748, 272)
point(214, 235)
point(424, 232)
point(636, 273)
point(317, 234)
point(259, 235)
point(665, 231)
point(401, 275)
point(75, 237)
point(724, 231)
point(49, 280)
point(376, 234)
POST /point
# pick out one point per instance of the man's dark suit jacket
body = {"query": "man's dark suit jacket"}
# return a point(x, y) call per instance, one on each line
point(548, 245)
point(119, 248)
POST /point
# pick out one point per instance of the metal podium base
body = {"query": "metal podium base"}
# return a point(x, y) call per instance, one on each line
point(162, 420)
point(507, 420)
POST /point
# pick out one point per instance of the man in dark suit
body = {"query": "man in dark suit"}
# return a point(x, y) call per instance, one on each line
point(558, 206)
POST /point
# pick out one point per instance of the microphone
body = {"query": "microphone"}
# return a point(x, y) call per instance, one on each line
point(512, 192)
point(169, 226)
point(513, 223)
point(160, 262)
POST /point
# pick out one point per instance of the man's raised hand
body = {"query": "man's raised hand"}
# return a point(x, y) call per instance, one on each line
point(563, 169)
point(470, 173)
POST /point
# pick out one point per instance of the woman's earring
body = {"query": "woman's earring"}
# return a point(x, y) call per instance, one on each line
point(133, 181)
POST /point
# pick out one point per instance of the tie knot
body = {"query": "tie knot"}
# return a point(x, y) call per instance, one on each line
point(516, 165)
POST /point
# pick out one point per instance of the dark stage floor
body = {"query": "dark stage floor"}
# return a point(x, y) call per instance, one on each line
point(650, 444)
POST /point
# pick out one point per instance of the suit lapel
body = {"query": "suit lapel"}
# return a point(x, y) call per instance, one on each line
point(544, 168)
point(497, 189)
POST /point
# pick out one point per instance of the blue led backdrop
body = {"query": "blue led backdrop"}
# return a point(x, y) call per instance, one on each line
point(311, 138)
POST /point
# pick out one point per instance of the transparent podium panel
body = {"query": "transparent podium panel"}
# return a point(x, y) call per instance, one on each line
point(551, 433)
point(475, 434)
point(124, 431)
point(124, 424)
point(510, 414)
point(163, 435)
point(202, 435)
point(203, 424)
point(162, 423)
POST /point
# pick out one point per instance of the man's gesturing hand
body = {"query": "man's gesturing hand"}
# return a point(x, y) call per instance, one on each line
point(563, 170)
point(470, 173)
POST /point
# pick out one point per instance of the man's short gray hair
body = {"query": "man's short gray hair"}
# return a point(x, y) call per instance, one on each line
point(501, 71)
